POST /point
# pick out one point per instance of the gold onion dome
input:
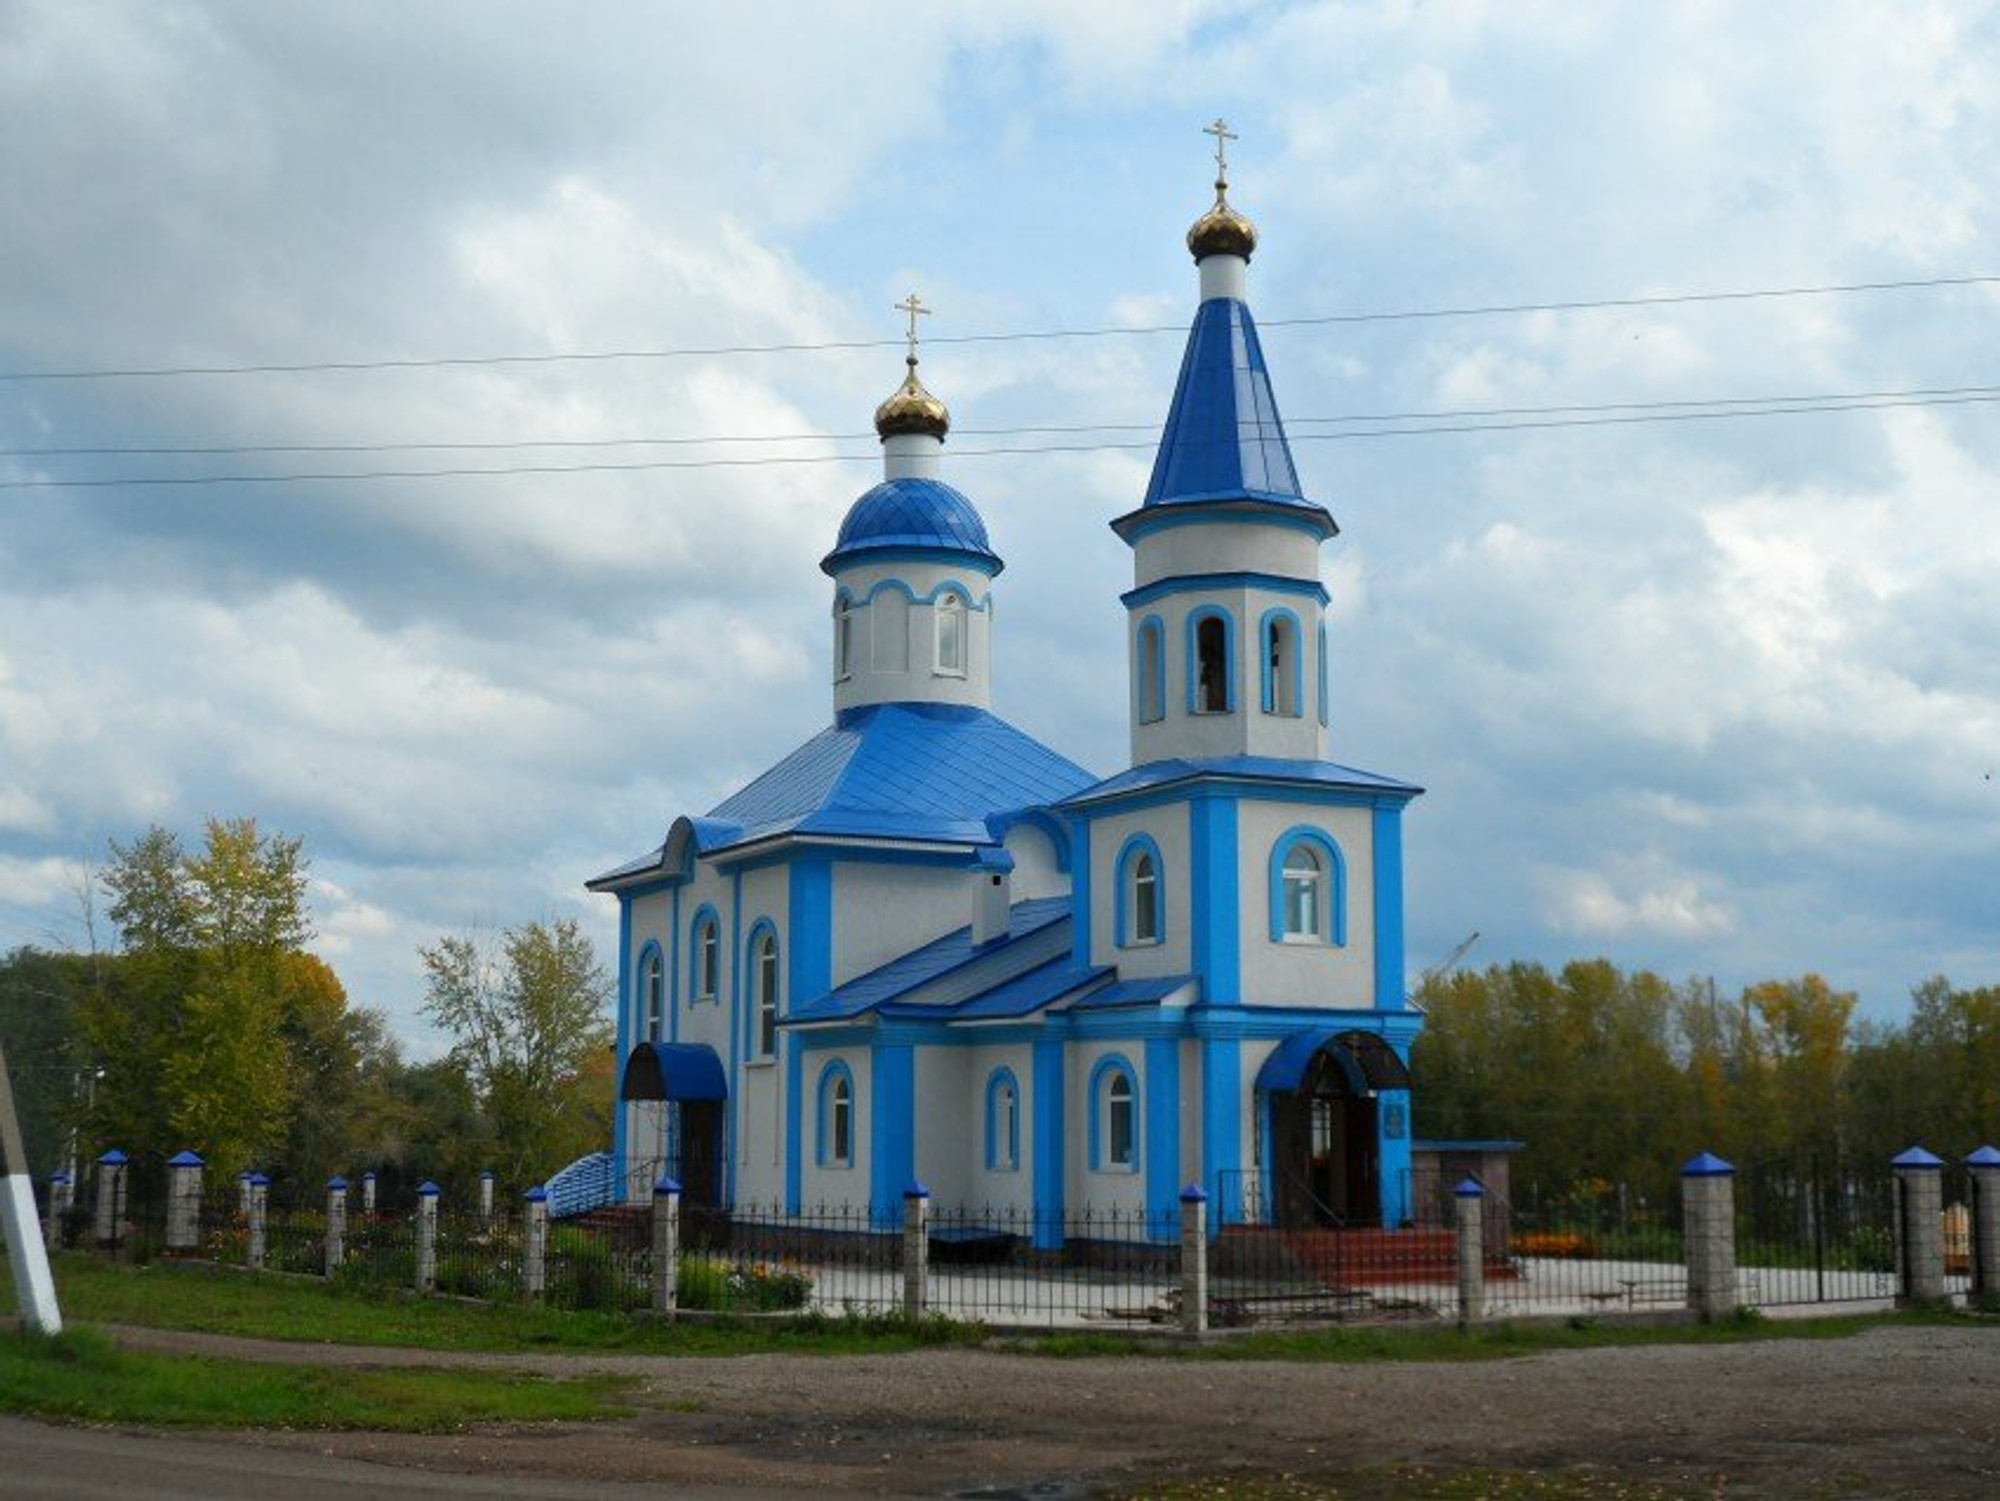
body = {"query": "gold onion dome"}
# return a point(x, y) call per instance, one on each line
point(1221, 231)
point(912, 409)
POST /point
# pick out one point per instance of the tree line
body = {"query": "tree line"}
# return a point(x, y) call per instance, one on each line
point(1619, 1076)
point(207, 1024)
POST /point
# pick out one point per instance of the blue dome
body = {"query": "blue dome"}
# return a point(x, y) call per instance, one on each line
point(904, 516)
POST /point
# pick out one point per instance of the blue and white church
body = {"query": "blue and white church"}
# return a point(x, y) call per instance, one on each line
point(925, 946)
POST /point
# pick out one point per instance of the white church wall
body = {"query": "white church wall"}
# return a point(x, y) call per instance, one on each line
point(760, 1133)
point(1228, 547)
point(823, 1182)
point(1035, 873)
point(1167, 826)
point(883, 911)
point(1299, 735)
point(652, 923)
point(1105, 1189)
point(999, 1188)
point(893, 635)
point(1337, 977)
point(944, 1109)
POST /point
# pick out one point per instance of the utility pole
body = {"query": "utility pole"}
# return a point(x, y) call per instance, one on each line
point(34, 1288)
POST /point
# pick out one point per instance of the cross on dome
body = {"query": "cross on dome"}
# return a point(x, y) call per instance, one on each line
point(1221, 231)
point(1223, 136)
point(914, 306)
point(911, 409)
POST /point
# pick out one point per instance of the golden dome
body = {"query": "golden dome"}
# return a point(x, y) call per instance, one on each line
point(912, 409)
point(1221, 231)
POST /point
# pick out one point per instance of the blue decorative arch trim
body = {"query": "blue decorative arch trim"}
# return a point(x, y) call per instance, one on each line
point(1194, 619)
point(898, 586)
point(1335, 899)
point(1110, 1066)
point(641, 1005)
point(1150, 668)
point(1053, 825)
point(834, 1073)
point(1003, 1133)
point(1121, 890)
point(1269, 685)
point(705, 916)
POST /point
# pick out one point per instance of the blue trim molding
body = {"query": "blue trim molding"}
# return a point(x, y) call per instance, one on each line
point(1268, 624)
point(705, 916)
point(1206, 583)
point(1122, 892)
point(1048, 1138)
point(1194, 619)
point(1149, 670)
point(1215, 924)
point(1112, 1066)
point(892, 1096)
point(1003, 1132)
point(1388, 863)
point(754, 976)
point(831, 1076)
point(1333, 900)
point(1222, 1126)
point(642, 1000)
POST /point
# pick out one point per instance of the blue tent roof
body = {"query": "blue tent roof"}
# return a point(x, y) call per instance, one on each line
point(906, 771)
point(912, 515)
point(1223, 439)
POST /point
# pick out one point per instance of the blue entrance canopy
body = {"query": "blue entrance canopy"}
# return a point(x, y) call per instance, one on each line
point(673, 1071)
point(1365, 1060)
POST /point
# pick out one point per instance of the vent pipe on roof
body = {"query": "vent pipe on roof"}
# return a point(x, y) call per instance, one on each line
point(991, 899)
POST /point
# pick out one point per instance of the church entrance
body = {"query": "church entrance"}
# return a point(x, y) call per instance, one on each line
point(1324, 1142)
point(682, 1131)
point(700, 1153)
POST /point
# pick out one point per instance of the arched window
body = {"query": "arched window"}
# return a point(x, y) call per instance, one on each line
point(1114, 1116)
point(1281, 665)
point(653, 987)
point(1308, 888)
point(1322, 672)
point(1152, 670)
point(836, 1117)
point(843, 639)
point(1139, 910)
point(1003, 1121)
point(1210, 689)
point(764, 993)
point(705, 957)
point(951, 635)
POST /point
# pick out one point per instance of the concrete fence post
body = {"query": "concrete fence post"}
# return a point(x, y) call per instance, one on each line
point(666, 1244)
point(1708, 1230)
point(916, 1249)
point(336, 1223)
point(1194, 1260)
point(183, 1201)
point(256, 1239)
point(535, 1243)
point(54, 1233)
point(108, 1219)
point(243, 1192)
point(368, 1192)
point(1983, 1169)
point(486, 1199)
point(1470, 1197)
point(427, 1236)
point(1919, 1228)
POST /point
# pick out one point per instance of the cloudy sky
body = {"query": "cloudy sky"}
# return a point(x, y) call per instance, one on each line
point(1717, 696)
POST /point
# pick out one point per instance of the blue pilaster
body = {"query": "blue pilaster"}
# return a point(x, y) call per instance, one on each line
point(732, 1108)
point(809, 938)
point(1047, 1104)
point(1388, 908)
point(1222, 1128)
point(1079, 891)
point(1217, 921)
point(625, 1035)
point(1163, 1135)
point(892, 1095)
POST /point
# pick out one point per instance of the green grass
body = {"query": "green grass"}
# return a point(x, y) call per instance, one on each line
point(79, 1376)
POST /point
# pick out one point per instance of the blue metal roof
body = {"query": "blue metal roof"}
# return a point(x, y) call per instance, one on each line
point(903, 771)
point(920, 966)
point(673, 1071)
point(1223, 439)
point(1029, 993)
point(1147, 992)
point(1250, 768)
point(912, 515)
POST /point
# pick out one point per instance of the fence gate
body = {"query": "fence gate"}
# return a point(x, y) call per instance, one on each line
point(1808, 1233)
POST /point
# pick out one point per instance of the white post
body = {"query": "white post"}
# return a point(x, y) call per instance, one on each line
point(486, 1199)
point(427, 1236)
point(1919, 1228)
point(243, 1192)
point(183, 1201)
point(1708, 1234)
point(34, 1288)
point(336, 1223)
point(666, 1244)
point(59, 1199)
point(1194, 1259)
point(108, 1222)
point(916, 1249)
point(535, 1254)
point(368, 1192)
point(260, 1200)
point(1471, 1199)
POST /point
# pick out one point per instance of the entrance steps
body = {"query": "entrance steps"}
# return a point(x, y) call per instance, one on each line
point(1350, 1257)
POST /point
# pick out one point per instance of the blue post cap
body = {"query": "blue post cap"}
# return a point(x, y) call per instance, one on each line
point(337, 1184)
point(1706, 1165)
point(113, 1158)
point(369, 1176)
point(1986, 1156)
point(245, 1176)
point(486, 1173)
point(916, 1190)
point(258, 1180)
point(1470, 1188)
point(184, 1159)
point(1193, 1194)
point(1918, 1160)
point(428, 1190)
point(58, 1176)
point(536, 1195)
point(667, 1185)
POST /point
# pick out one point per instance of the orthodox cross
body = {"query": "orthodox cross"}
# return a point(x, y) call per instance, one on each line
point(1223, 136)
point(913, 305)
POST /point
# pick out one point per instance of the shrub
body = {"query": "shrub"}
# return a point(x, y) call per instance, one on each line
point(706, 1282)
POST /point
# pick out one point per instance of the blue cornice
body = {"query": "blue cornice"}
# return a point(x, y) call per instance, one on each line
point(1188, 583)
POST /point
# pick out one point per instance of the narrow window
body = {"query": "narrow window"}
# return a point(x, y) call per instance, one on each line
point(707, 958)
point(1321, 664)
point(1003, 1123)
point(1303, 881)
point(951, 635)
point(843, 641)
point(1145, 900)
point(765, 966)
point(1152, 672)
point(837, 1127)
point(1281, 666)
point(1118, 1121)
point(1211, 646)
point(656, 998)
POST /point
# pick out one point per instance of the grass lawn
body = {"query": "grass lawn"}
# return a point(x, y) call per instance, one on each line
point(78, 1376)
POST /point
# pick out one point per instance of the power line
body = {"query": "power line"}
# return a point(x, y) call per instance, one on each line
point(1598, 419)
point(1430, 415)
point(1406, 315)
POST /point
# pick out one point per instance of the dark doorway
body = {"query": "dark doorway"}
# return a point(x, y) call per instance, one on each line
point(701, 1153)
point(1326, 1149)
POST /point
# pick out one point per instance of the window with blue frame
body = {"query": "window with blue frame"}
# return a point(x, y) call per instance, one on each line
point(1003, 1121)
point(653, 988)
point(705, 957)
point(1114, 1116)
point(1139, 910)
point(764, 993)
point(1322, 672)
point(1281, 663)
point(1152, 670)
point(836, 1117)
point(952, 636)
point(1210, 689)
point(1308, 889)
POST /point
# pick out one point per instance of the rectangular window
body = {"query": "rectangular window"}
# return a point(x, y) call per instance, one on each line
point(951, 633)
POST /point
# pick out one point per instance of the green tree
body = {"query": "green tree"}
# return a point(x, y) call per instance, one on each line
point(527, 1022)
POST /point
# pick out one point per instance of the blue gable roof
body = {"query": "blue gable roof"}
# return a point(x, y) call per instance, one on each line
point(901, 975)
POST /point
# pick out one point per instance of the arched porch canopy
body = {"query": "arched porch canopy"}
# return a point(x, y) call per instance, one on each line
point(1365, 1060)
point(673, 1071)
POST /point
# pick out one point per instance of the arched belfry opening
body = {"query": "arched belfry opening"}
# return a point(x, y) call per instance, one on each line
point(1319, 1089)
